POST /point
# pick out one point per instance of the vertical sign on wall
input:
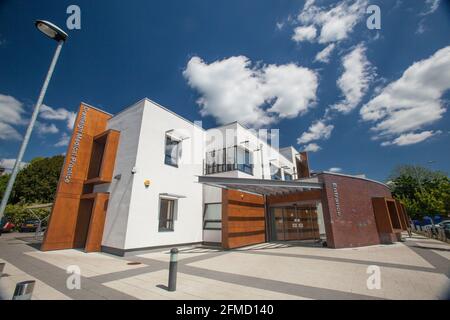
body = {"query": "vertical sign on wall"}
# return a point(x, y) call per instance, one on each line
point(336, 198)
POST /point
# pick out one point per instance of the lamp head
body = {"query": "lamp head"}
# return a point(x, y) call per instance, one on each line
point(50, 30)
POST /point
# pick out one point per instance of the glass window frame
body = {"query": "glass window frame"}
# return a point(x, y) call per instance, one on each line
point(169, 216)
point(277, 173)
point(169, 157)
point(205, 221)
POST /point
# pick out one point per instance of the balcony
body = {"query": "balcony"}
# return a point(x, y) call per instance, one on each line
point(234, 158)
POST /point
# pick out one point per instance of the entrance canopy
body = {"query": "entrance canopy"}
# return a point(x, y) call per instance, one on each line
point(259, 186)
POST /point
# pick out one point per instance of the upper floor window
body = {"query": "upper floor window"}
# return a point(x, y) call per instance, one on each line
point(275, 172)
point(245, 160)
point(287, 176)
point(172, 151)
point(229, 159)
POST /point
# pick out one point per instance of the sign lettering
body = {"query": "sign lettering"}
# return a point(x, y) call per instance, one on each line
point(76, 144)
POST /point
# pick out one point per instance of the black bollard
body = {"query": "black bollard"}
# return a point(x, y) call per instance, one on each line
point(2, 267)
point(173, 269)
point(24, 290)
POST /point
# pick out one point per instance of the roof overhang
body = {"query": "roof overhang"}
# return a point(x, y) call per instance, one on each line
point(259, 186)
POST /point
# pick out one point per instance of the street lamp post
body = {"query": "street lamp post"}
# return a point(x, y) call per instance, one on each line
point(54, 32)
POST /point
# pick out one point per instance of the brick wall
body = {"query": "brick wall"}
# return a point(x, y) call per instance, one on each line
point(351, 221)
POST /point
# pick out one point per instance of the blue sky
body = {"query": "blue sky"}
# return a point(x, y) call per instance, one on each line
point(379, 99)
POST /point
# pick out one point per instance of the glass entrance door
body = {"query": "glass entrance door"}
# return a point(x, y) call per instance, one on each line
point(278, 223)
point(294, 223)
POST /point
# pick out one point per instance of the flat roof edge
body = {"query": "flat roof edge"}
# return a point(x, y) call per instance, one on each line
point(98, 109)
point(354, 177)
point(249, 181)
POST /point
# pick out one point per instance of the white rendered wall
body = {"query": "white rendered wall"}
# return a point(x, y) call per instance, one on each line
point(143, 220)
point(128, 123)
point(235, 134)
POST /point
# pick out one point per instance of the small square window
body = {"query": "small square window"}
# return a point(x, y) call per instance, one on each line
point(166, 214)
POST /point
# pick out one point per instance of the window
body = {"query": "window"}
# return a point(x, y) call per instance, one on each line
point(212, 219)
point(245, 161)
point(166, 214)
point(275, 172)
point(287, 176)
point(172, 151)
point(229, 159)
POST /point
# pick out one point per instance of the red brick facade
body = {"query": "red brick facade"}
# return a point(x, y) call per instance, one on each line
point(348, 211)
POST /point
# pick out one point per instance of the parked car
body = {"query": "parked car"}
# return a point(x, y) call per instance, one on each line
point(443, 223)
point(29, 225)
point(447, 230)
point(6, 225)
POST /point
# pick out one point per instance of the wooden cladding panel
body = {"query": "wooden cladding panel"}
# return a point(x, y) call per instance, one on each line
point(243, 219)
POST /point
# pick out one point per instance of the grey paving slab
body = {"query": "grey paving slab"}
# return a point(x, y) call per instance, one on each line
point(347, 260)
point(55, 277)
point(273, 285)
point(440, 263)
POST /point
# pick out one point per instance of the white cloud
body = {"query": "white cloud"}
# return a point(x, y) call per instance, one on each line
point(280, 25)
point(11, 112)
point(44, 128)
point(317, 131)
point(335, 169)
point(324, 55)
point(411, 138)
point(335, 23)
point(355, 79)
point(292, 88)
point(63, 141)
point(231, 89)
point(312, 147)
point(60, 114)
point(414, 100)
point(8, 164)
point(432, 6)
point(304, 33)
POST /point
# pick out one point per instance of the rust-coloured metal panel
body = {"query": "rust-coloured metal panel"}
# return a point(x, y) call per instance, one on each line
point(64, 229)
point(402, 215)
point(97, 222)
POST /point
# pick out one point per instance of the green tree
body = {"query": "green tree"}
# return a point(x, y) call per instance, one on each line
point(423, 191)
point(3, 182)
point(37, 182)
